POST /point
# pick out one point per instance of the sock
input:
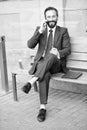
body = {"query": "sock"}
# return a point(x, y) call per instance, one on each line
point(33, 80)
point(42, 106)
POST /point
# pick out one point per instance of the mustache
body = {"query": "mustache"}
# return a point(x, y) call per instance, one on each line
point(50, 21)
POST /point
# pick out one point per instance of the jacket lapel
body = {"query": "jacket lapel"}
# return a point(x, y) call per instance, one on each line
point(56, 36)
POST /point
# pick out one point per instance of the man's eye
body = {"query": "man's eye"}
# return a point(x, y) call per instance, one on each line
point(54, 16)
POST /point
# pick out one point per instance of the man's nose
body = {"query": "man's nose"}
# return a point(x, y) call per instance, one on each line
point(51, 18)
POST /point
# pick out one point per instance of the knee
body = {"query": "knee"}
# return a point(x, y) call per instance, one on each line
point(45, 78)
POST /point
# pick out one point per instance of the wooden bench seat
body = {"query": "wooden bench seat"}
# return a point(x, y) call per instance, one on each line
point(81, 80)
point(72, 85)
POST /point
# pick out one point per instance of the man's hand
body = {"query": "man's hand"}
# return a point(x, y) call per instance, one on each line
point(55, 52)
point(42, 27)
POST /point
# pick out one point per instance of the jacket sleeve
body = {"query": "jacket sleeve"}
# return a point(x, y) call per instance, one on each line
point(66, 46)
point(34, 40)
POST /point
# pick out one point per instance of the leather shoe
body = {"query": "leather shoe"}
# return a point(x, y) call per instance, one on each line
point(26, 88)
point(42, 115)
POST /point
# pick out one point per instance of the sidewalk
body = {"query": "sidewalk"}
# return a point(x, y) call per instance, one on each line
point(65, 111)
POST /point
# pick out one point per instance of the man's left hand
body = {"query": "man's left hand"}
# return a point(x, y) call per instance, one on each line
point(55, 52)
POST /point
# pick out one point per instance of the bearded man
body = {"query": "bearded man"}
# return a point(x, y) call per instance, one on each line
point(53, 48)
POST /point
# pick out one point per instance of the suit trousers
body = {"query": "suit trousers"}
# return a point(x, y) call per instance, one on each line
point(45, 68)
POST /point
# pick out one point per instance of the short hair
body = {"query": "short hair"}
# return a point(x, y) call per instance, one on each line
point(50, 8)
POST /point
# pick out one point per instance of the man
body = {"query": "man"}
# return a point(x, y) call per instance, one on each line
point(53, 48)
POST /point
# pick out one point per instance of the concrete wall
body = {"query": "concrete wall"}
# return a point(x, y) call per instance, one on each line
point(76, 17)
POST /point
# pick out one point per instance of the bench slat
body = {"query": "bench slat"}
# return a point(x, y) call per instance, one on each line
point(79, 44)
point(78, 56)
point(81, 80)
point(78, 40)
point(77, 64)
point(79, 48)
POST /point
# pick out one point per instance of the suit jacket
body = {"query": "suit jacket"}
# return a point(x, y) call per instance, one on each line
point(61, 42)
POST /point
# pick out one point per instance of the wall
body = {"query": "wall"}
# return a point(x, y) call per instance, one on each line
point(76, 17)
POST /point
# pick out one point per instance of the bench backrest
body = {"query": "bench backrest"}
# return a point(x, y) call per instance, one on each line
point(78, 57)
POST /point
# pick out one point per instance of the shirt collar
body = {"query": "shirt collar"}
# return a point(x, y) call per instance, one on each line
point(53, 29)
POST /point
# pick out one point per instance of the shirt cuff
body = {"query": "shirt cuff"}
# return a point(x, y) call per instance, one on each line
point(58, 55)
point(40, 31)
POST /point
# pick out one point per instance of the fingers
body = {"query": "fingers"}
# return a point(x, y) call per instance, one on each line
point(44, 24)
point(42, 27)
point(54, 51)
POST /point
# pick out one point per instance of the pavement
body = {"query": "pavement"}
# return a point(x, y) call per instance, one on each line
point(65, 110)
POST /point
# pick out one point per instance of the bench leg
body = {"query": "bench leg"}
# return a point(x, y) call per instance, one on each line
point(14, 87)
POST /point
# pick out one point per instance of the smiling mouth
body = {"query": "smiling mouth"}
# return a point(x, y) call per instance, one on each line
point(52, 23)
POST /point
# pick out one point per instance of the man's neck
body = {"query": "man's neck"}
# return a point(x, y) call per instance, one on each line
point(48, 28)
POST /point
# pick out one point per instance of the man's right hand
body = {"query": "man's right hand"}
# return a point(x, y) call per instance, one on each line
point(42, 27)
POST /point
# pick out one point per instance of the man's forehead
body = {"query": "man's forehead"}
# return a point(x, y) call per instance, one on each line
point(50, 12)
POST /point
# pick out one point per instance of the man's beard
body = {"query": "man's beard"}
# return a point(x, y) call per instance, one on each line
point(52, 23)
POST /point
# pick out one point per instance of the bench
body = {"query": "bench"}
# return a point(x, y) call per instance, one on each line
point(76, 62)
